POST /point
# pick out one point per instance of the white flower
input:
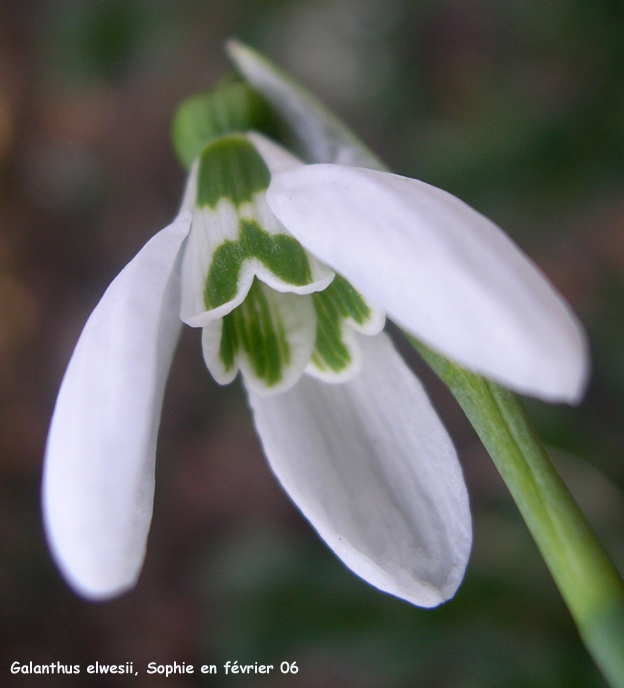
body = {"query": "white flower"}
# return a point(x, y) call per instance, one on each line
point(345, 425)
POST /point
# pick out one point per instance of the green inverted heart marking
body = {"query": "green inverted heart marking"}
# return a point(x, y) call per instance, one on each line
point(279, 253)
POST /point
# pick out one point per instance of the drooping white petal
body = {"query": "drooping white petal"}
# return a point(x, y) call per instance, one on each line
point(98, 478)
point(442, 271)
point(370, 465)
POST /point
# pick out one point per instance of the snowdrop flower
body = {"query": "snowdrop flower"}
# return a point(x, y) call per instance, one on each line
point(286, 267)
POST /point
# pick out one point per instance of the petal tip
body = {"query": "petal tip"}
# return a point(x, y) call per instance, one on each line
point(567, 376)
point(390, 502)
point(96, 592)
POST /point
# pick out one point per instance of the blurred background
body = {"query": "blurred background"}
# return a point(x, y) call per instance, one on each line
point(515, 106)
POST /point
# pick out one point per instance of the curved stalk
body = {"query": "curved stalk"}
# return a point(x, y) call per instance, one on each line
point(583, 572)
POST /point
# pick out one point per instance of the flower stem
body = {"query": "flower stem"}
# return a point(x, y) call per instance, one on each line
point(586, 577)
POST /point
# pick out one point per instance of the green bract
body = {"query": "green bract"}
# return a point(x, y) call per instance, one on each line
point(267, 306)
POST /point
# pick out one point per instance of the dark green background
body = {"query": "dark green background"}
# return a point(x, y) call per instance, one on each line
point(515, 106)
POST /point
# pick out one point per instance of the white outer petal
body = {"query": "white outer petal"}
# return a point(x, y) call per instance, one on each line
point(98, 481)
point(441, 270)
point(369, 463)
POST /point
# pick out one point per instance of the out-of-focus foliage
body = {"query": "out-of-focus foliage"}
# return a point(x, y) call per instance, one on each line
point(516, 106)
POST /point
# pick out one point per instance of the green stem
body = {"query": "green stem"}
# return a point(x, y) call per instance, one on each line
point(586, 577)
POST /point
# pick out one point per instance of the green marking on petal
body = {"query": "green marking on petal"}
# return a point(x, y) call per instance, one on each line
point(229, 341)
point(256, 328)
point(279, 253)
point(222, 280)
point(282, 254)
point(348, 301)
point(329, 346)
point(317, 361)
point(339, 302)
point(230, 168)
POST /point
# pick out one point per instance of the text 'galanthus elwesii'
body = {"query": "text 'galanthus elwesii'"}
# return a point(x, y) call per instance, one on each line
point(288, 269)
